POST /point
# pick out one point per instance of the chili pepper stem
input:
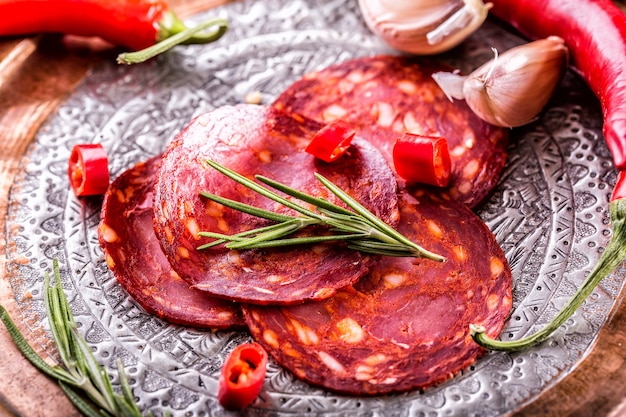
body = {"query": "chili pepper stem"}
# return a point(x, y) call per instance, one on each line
point(187, 35)
point(613, 255)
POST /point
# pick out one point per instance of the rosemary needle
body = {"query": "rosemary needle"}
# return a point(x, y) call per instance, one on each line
point(85, 383)
point(360, 228)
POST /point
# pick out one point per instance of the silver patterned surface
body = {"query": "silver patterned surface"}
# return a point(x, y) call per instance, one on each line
point(549, 213)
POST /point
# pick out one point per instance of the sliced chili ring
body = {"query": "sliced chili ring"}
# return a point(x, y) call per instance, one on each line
point(422, 159)
point(88, 169)
point(331, 141)
point(242, 376)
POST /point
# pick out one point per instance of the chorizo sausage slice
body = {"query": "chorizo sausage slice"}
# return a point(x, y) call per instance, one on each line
point(405, 325)
point(133, 253)
point(385, 96)
point(261, 140)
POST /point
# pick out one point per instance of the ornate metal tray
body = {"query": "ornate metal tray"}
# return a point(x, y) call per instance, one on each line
point(549, 213)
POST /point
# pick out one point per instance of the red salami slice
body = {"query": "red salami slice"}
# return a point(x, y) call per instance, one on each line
point(405, 325)
point(260, 140)
point(384, 96)
point(132, 251)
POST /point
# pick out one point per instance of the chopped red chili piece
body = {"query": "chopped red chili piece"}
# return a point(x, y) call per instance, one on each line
point(422, 159)
point(88, 170)
point(242, 376)
point(331, 141)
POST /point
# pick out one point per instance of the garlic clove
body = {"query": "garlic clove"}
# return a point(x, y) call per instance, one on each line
point(451, 83)
point(512, 89)
point(424, 27)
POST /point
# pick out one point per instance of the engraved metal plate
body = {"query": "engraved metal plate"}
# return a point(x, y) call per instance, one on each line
point(549, 213)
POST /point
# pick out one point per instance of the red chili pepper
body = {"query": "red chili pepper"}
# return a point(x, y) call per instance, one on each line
point(422, 159)
point(88, 170)
point(136, 24)
point(619, 191)
point(595, 33)
point(331, 141)
point(242, 376)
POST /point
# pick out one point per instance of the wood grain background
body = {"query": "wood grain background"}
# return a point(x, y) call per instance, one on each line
point(36, 75)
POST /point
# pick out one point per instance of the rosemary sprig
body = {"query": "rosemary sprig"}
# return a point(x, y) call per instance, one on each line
point(86, 384)
point(359, 227)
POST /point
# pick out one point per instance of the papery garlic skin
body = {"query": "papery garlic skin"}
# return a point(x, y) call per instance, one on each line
point(451, 83)
point(512, 89)
point(424, 27)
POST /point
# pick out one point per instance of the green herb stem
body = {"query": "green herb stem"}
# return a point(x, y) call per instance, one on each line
point(246, 208)
point(29, 353)
point(81, 373)
point(378, 223)
point(380, 248)
point(320, 203)
point(613, 255)
point(222, 238)
point(86, 408)
point(359, 227)
point(298, 241)
point(262, 190)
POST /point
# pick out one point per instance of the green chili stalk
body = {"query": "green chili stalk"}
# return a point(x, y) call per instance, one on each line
point(613, 255)
point(179, 35)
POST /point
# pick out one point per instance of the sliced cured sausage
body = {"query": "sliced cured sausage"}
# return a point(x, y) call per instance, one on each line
point(405, 325)
point(132, 252)
point(261, 140)
point(385, 96)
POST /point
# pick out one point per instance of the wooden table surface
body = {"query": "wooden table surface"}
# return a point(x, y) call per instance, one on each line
point(36, 75)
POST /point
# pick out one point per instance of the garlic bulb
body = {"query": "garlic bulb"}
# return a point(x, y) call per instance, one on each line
point(424, 27)
point(513, 88)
